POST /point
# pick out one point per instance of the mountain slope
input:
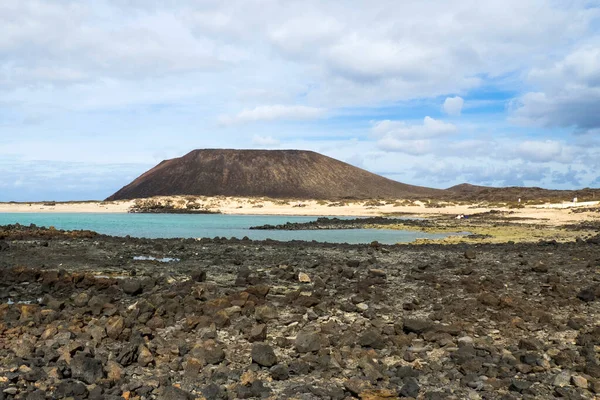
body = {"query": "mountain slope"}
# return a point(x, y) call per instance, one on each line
point(269, 173)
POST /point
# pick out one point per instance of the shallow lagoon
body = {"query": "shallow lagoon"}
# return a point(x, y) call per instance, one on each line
point(207, 225)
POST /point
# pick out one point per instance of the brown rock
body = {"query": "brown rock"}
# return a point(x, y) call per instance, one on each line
point(258, 333)
point(114, 326)
point(155, 323)
point(145, 357)
point(306, 301)
point(221, 319)
point(265, 313)
point(379, 394)
point(96, 332)
point(263, 355)
point(49, 332)
point(356, 386)
point(113, 370)
point(28, 311)
point(259, 291)
point(579, 381)
point(488, 299)
point(307, 341)
point(595, 386)
point(247, 378)
point(193, 367)
point(212, 352)
point(377, 273)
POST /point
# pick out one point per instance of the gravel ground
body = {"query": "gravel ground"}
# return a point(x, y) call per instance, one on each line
point(228, 319)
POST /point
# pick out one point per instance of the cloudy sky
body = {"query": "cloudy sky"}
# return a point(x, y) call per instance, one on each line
point(435, 93)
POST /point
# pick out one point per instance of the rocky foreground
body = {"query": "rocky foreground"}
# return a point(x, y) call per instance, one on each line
point(226, 319)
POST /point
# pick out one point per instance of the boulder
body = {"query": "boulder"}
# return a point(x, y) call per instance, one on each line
point(263, 355)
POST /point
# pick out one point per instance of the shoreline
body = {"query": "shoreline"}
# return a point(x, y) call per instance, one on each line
point(545, 214)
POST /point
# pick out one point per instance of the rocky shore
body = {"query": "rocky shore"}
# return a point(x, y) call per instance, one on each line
point(340, 223)
point(227, 319)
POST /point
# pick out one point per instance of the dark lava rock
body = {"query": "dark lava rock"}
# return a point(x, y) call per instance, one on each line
point(36, 395)
point(263, 355)
point(128, 354)
point(97, 303)
point(576, 323)
point(299, 367)
point(214, 392)
point(540, 267)
point(212, 352)
point(587, 295)
point(256, 390)
point(519, 385)
point(411, 388)
point(4, 246)
point(174, 393)
point(530, 344)
point(86, 368)
point(96, 394)
point(356, 386)
point(372, 338)
point(416, 325)
point(258, 333)
point(199, 276)
point(307, 341)
point(131, 286)
point(488, 299)
point(279, 372)
point(70, 388)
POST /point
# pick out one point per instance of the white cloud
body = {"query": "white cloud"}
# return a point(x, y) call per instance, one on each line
point(273, 112)
point(401, 130)
point(264, 141)
point(45, 180)
point(569, 94)
point(414, 147)
point(488, 173)
point(336, 53)
point(415, 139)
point(453, 105)
point(544, 151)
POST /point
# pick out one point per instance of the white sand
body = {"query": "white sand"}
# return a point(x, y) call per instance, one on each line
point(549, 214)
point(71, 207)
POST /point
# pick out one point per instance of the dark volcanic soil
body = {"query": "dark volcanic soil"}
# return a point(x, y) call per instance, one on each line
point(243, 319)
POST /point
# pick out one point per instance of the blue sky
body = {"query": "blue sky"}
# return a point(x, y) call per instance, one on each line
point(434, 93)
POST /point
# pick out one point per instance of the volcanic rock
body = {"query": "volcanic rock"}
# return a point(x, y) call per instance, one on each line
point(307, 341)
point(86, 368)
point(263, 355)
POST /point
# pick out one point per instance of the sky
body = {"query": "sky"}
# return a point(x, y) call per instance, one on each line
point(432, 93)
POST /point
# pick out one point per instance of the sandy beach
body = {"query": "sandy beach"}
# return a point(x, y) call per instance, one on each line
point(550, 214)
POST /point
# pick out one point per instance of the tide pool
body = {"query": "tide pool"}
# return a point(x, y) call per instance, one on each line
point(207, 225)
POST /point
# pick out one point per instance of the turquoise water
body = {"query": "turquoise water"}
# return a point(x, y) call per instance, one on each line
point(206, 225)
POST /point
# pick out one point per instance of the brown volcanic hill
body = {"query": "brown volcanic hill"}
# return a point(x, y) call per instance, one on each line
point(469, 192)
point(270, 173)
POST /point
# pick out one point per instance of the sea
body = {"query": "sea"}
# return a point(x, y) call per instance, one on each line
point(208, 225)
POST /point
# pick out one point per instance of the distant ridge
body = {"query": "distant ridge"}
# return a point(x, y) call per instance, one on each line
point(269, 173)
point(470, 192)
